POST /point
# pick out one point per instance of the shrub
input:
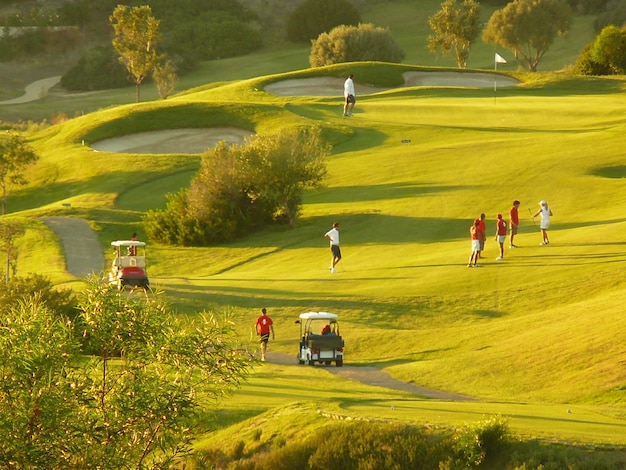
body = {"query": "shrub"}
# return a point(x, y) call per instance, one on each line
point(314, 17)
point(353, 44)
point(474, 444)
point(98, 69)
point(586, 65)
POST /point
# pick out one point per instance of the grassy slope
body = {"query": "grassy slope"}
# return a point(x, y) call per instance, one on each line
point(543, 328)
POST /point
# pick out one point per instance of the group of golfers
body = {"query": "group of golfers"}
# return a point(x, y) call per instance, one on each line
point(478, 231)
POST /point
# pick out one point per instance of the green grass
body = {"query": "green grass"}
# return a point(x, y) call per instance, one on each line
point(530, 338)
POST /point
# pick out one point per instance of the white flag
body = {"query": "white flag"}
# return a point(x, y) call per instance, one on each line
point(500, 59)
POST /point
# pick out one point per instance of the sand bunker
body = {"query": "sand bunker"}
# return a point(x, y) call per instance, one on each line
point(188, 141)
point(332, 86)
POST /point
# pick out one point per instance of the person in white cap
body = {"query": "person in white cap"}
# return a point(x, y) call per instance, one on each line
point(544, 225)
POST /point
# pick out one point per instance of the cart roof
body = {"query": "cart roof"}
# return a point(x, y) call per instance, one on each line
point(127, 243)
point(318, 316)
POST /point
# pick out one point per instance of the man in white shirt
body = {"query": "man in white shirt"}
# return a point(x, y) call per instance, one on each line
point(333, 236)
point(349, 95)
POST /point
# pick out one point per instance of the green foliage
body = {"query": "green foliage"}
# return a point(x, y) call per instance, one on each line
point(586, 65)
point(609, 49)
point(61, 302)
point(314, 17)
point(15, 156)
point(455, 27)
point(240, 189)
point(354, 44)
point(98, 69)
point(477, 443)
point(136, 40)
point(528, 28)
point(61, 410)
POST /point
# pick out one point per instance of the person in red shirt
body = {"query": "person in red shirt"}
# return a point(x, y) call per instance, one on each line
point(514, 222)
point(264, 325)
point(500, 235)
point(476, 235)
point(483, 229)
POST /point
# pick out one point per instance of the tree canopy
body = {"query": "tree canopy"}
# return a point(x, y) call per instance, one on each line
point(118, 388)
point(455, 27)
point(314, 17)
point(528, 28)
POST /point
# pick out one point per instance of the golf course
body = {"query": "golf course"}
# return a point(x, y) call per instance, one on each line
point(538, 338)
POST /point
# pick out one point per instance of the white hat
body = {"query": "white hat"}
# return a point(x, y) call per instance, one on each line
point(542, 202)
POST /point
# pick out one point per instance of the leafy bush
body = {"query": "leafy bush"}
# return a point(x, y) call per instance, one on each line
point(240, 189)
point(353, 44)
point(98, 69)
point(20, 289)
point(586, 65)
point(605, 55)
point(474, 444)
point(314, 17)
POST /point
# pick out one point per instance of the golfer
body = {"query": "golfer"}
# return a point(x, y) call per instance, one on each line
point(349, 95)
point(333, 236)
point(500, 235)
point(514, 221)
point(545, 213)
point(264, 325)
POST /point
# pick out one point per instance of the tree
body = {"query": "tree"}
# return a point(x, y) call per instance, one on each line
point(9, 231)
point(15, 156)
point(136, 39)
point(353, 44)
point(131, 403)
point(314, 17)
point(528, 28)
point(609, 49)
point(165, 77)
point(455, 27)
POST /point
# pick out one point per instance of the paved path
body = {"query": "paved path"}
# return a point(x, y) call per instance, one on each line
point(83, 253)
point(373, 376)
point(34, 91)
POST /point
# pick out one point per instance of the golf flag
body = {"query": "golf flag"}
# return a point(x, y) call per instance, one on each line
point(500, 59)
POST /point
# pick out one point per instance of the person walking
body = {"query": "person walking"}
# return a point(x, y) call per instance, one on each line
point(476, 236)
point(514, 222)
point(333, 236)
point(264, 326)
point(349, 96)
point(544, 224)
point(500, 235)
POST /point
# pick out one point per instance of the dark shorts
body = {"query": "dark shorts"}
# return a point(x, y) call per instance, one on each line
point(264, 338)
point(334, 249)
point(350, 99)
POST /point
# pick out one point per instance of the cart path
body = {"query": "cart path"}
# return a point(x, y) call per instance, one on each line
point(372, 376)
point(83, 256)
point(82, 250)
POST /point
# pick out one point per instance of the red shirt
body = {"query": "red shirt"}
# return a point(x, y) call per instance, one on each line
point(476, 232)
point(501, 227)
point(483, 229)
point(263, 324)
point(514, 216)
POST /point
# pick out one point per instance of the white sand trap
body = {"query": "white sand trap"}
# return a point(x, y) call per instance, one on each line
point(333, 86)
point(188, 141)
point(458, 79)
point(317, 86)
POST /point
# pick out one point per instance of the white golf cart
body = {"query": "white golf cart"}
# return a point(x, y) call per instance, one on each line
point(129, 265)
point(320, 340)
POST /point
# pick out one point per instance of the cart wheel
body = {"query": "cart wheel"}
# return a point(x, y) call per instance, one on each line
point(339, 362)
point(300, 361)
point(311, 362)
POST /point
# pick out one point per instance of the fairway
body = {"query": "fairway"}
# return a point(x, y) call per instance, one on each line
point(530, 337)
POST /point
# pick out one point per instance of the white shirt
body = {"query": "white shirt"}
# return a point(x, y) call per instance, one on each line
point(333, 234)
point(348, 88)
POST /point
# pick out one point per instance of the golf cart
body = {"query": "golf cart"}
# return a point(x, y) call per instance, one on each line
point(129, 265)
point(320, 340)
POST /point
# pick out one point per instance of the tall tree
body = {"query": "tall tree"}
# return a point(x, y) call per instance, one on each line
point(136, 38)
point(528, 28)
point(15, 156)
point(455, 27)
point(9, 231)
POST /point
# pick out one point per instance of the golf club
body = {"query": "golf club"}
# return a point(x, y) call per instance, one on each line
point(531, 214)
